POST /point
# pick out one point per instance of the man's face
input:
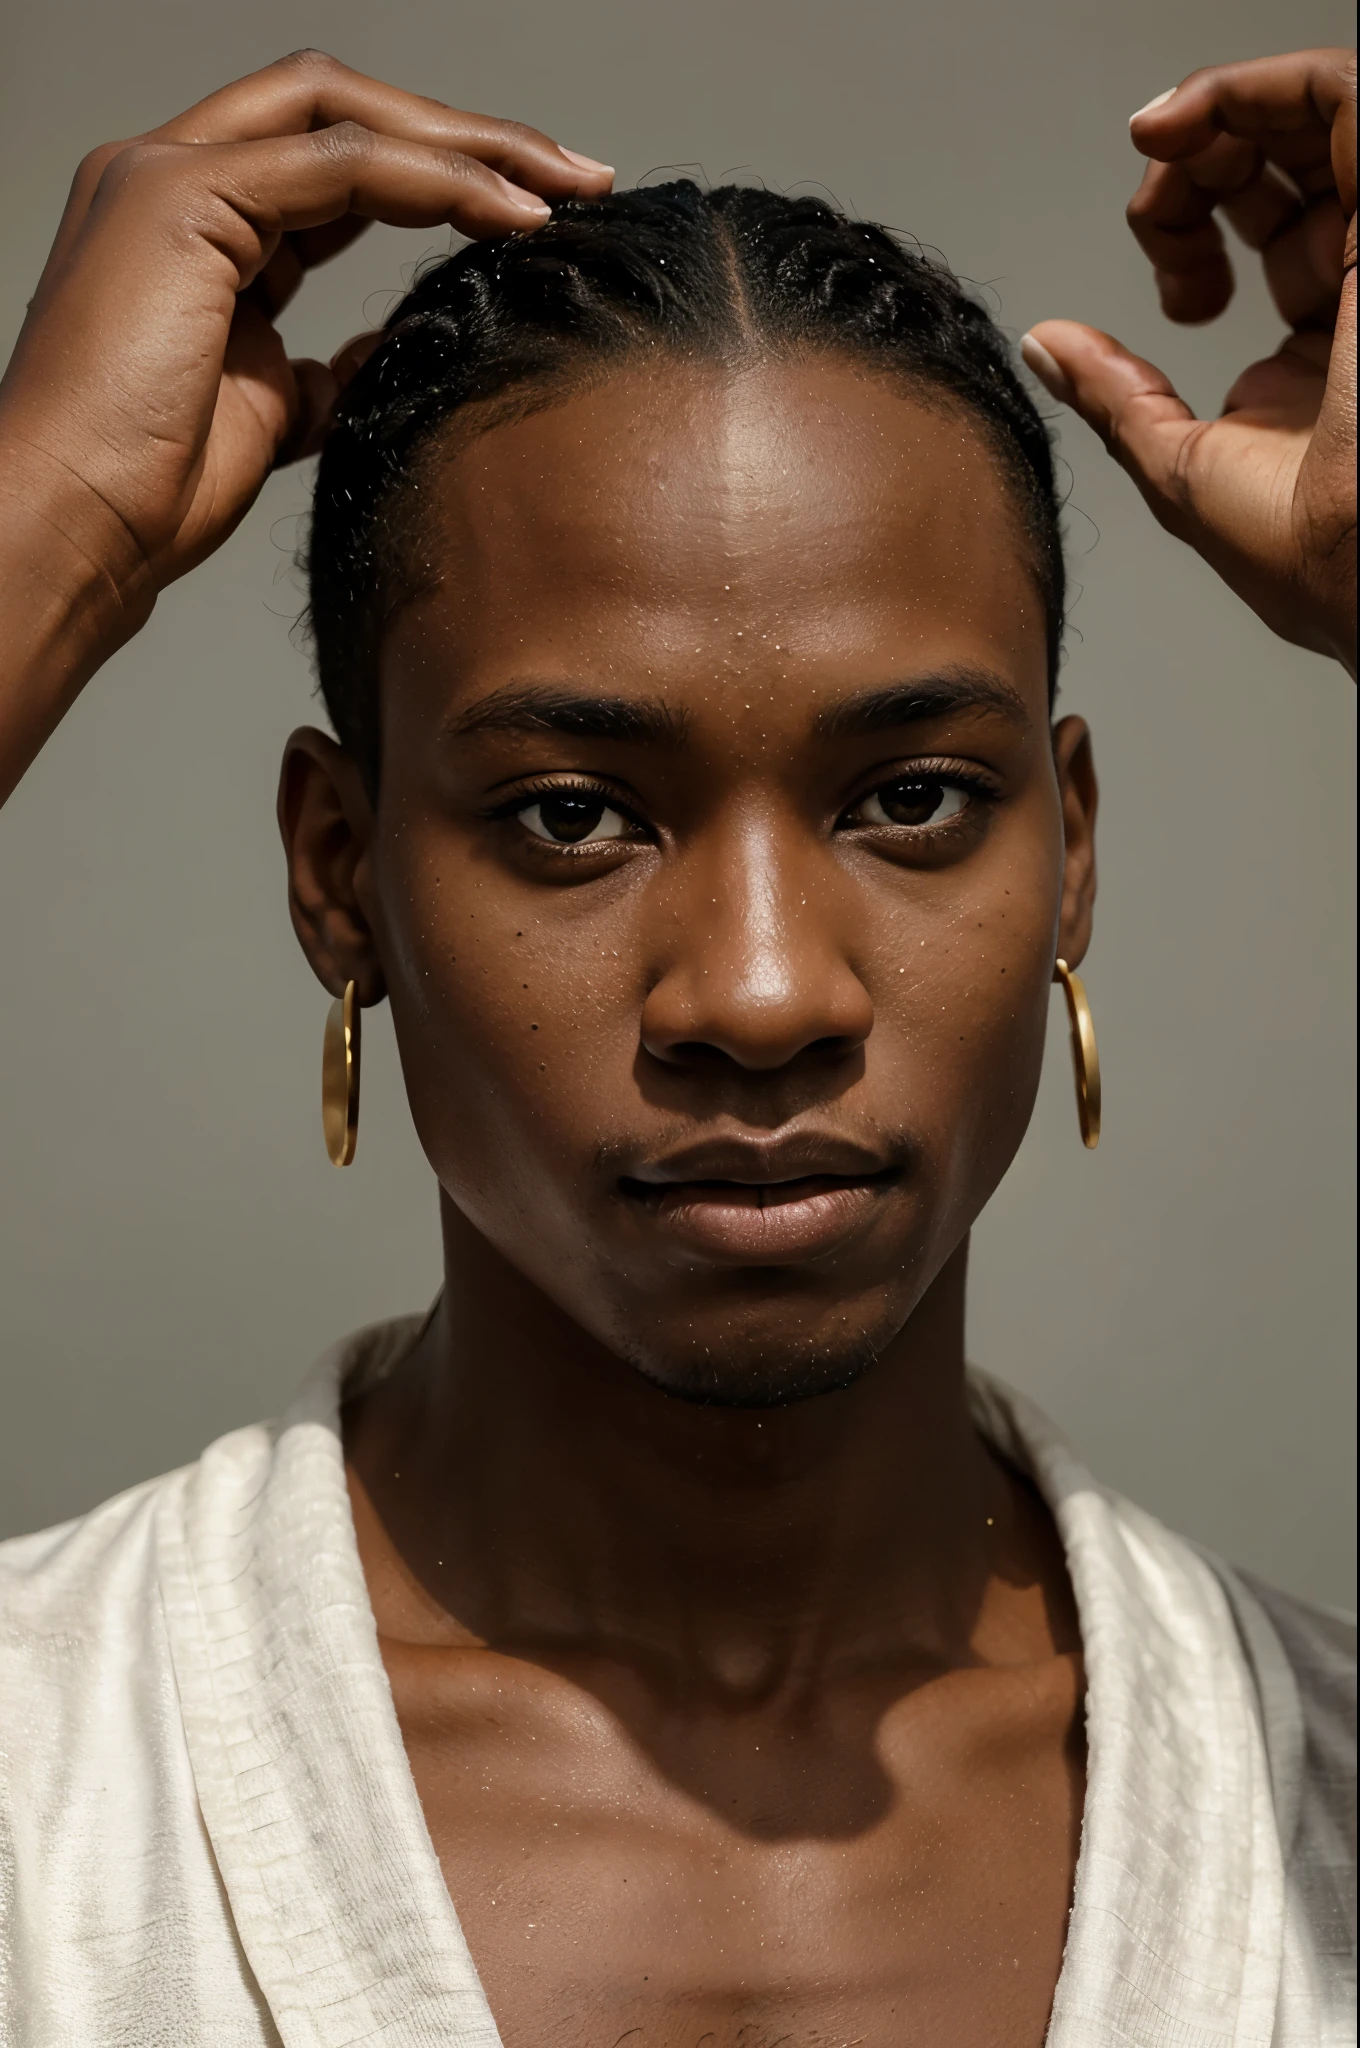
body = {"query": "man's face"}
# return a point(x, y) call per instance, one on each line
point(718, 864)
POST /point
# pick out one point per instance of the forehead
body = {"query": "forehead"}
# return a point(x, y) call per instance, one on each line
point(671, 506)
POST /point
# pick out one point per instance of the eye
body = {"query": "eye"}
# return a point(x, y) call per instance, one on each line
point(573, 817)
point(913, 800)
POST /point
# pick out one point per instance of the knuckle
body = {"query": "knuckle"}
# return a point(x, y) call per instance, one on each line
point(135, 163)
point(1209, 80)
point(346, 142)
point(1148, 197)
point(463, 169)
point(315, 63)
point(1142, 219)
point(94, 164)
point(1183, 478)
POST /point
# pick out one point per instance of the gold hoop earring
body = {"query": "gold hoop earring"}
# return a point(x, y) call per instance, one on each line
point(1085, 1058)
point(340, 1077)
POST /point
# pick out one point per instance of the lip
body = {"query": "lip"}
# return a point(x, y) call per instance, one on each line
point(762, 1202)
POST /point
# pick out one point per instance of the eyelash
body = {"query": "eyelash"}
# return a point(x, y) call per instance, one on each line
point(979, 787)
point(562, 785)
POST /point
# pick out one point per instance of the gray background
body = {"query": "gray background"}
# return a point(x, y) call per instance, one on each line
point(174, 1247)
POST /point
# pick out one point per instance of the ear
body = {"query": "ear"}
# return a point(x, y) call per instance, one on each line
point(1078, 795)
point(326, 819)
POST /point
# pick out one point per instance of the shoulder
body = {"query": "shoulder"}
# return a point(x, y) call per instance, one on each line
point(82, 1590)
point(1317, 1648)
point(1303, 1662)
point(113, 1920)
point(85, 1667)
point(1320, 1644)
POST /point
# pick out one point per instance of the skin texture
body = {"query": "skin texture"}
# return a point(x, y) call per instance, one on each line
point(733, 971)
point(149, 394)
point(1266, 492)
point(723, 1715)
point(740, 1684)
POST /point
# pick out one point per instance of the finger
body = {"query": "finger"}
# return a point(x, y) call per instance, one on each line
point(1172, 219)
point(318, 389)
point(1231, 174)
point(240, 198)
point(347, 362)
point(278, 282)
point(1172, 215)
point(1134, 408)
point(1265, 208)
point(1299, 107)
point(1305, 265)
point(309, 90)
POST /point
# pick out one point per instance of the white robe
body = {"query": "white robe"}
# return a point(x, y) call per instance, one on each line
point(210, 1837)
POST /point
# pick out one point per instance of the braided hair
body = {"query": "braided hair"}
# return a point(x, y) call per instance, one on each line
point(721, 276)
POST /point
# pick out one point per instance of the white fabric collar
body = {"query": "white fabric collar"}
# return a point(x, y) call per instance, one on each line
point(1177, 1926)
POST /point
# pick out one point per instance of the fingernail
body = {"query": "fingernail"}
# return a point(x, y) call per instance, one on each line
point(585, 163)
point(527, 202)
point(1160, 101)
point(1047, 369)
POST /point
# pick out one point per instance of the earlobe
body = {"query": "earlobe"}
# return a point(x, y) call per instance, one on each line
point(326, 822)
point(1078, 796)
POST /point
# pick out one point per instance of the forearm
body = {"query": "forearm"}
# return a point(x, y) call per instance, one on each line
point(73, 589)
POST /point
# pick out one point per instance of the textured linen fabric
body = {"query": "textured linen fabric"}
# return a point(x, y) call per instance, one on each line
point(210, 1837)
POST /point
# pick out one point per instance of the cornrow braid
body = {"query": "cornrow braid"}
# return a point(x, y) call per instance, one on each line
point(721, 275)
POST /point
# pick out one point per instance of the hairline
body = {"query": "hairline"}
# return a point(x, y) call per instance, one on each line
point(450, 434)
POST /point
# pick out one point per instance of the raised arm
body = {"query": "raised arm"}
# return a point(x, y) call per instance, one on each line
point(1266, 492)
point(150, 395)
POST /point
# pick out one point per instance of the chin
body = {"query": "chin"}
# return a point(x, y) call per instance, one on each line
point(750, 1372)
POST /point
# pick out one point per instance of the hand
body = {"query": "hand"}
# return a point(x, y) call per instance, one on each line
point(1266, 492)
point(150, 395)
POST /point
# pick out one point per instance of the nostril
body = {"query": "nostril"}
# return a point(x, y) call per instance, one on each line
point(693, 1052)
point(701, 1054)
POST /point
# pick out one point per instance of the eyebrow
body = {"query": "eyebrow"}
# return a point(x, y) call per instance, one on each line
point(941, 695)
point(547, 707)
point(550, 707)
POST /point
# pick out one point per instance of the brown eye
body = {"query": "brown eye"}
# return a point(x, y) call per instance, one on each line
point(573, 817)
point(915, 800)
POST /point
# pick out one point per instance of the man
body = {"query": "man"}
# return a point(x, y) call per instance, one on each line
point(668, 1603)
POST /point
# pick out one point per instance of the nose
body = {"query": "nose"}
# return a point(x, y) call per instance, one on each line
point(757, 970)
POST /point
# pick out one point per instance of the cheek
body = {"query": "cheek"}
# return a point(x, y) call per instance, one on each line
point(515, 1024)
point(961, 1019)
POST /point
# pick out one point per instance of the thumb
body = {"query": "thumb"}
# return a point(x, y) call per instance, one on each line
point(317, 390)
point(1133, 407)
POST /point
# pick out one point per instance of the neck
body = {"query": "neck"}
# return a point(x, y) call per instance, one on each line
point(516, 1484)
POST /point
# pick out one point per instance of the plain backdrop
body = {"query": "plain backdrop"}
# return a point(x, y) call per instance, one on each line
point(174, 1246)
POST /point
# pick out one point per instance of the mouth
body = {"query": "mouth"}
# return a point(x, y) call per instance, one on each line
point(752, 1214)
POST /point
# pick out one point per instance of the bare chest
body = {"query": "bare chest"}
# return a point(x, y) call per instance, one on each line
point(899, 1878)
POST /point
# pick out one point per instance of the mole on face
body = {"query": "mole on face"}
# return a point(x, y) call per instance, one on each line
point(727, 716)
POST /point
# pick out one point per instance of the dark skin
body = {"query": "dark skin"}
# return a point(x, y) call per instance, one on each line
point(833, 1671)
point(716, 872)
